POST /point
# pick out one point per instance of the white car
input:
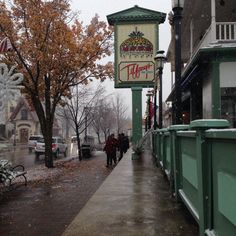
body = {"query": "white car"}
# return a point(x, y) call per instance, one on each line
point(59, 146)
point(33, 140)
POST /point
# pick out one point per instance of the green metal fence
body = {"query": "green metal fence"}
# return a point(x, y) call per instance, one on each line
point(221, 150)
point(200, 162)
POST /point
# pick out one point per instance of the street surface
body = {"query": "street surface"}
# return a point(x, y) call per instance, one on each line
point(48, 206)
point(53, 197)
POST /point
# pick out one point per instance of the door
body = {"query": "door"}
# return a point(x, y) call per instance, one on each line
point(24, 135)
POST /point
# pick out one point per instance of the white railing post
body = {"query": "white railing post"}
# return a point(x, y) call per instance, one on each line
point(226, 31)
point(230, 32)
point(234, 28)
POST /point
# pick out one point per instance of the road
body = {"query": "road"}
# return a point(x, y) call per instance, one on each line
point(20, 155)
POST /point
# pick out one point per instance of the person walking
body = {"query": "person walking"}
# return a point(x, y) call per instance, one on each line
point(126, 143)
point(114, 142)
point(121, 145)
point(110, 149)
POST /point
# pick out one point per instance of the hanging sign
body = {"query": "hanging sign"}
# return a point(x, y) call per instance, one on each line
point(136, 46)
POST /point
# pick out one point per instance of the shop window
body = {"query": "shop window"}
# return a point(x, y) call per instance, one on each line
point(228, 105)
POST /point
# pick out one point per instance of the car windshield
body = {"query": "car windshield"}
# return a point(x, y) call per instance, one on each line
point(34, 138)
point(41, 140)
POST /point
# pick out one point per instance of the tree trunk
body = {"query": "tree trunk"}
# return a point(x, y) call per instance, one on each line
point(46, 124)
point(105, 135)
point(99, 139)
point(78, 143)
point(79, 149)
point(48, 149)
point(49, 113)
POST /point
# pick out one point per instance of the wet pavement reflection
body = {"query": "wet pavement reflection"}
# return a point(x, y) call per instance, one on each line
point(20, 155)
point(134, 200)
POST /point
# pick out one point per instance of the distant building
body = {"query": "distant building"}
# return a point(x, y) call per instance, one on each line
point(25, 121)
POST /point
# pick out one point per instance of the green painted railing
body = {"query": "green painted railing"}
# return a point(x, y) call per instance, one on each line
point(200, 161)
point(221, 146)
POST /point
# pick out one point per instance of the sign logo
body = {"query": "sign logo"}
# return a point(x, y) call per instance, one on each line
point(136, 45)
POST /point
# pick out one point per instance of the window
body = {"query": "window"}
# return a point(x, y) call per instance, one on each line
point(24, 114)
point(228, 105)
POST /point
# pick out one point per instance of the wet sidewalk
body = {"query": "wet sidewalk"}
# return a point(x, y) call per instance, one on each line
point(134, 200)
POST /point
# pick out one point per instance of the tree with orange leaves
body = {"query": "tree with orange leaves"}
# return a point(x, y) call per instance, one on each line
point(54, 51)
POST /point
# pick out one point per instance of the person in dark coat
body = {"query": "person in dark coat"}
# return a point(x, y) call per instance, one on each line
point(126, 143)
point(110, 149)
point(121, 145)
point(115, 146)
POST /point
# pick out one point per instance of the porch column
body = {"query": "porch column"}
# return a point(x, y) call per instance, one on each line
point(216, 93)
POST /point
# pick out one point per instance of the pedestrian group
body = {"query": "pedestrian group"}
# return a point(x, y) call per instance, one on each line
point(113, 145)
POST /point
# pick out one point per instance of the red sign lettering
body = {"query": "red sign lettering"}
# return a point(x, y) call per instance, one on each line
point(134, 71)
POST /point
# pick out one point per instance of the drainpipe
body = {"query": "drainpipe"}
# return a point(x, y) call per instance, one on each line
point(213, 21)
point(191, 37)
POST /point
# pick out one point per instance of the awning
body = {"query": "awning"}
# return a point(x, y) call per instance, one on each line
point(186, 81)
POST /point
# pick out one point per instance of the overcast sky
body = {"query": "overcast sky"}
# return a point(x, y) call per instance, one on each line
point(88, 8)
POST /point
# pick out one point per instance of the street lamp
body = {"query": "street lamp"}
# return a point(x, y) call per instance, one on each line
point(160, 59)
point(177, 7)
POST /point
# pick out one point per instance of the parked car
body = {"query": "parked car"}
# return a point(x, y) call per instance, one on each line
point(33, 140)
point(59, 146)
point(87, 146)
point(73, 139)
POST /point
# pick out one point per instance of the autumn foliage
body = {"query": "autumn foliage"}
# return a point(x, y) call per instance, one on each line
point(54, 51)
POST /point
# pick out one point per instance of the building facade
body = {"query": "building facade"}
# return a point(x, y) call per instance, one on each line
point(208, 81)
point(25, 122)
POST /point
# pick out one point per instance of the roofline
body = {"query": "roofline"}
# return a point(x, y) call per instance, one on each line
point(203, 53)
point(114, 18)
point(206, 53)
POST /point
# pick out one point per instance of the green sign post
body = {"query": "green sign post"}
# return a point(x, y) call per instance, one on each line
point(136, 42)
point(136, 113)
